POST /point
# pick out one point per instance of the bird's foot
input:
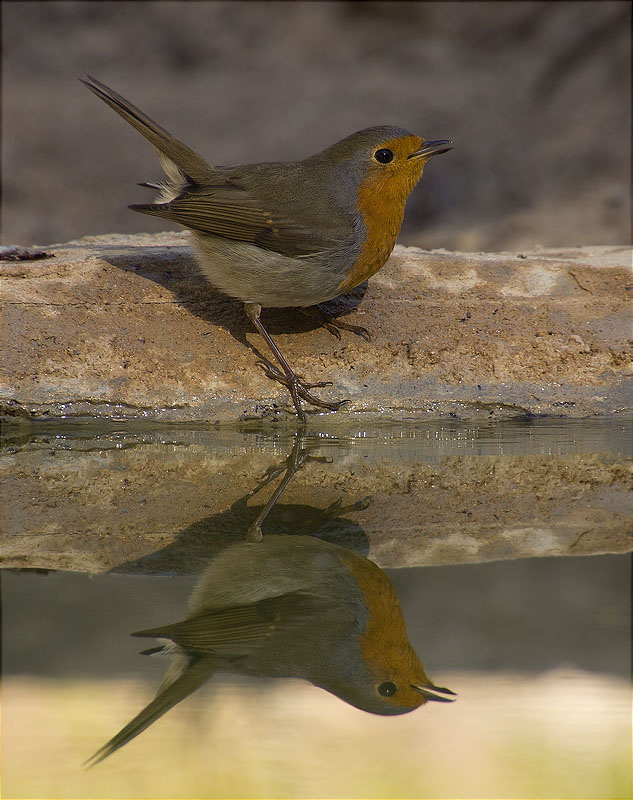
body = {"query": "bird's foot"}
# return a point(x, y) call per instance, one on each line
point(299, 390)
point(254, 533)
point(334, 324)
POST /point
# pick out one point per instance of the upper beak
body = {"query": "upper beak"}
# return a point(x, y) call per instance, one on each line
point(433, 148)
point(431, 692)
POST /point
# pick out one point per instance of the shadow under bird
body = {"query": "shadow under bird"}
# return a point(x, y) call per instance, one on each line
point(293, 607)
point(288, 234)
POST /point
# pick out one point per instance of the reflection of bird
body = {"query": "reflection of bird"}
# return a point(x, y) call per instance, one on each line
point(291, 607)
point(288, 233)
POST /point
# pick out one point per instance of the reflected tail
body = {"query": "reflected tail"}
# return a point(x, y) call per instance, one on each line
point(191, 679)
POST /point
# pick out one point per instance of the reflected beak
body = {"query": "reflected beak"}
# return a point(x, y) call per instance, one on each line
point(431, 692)
point(433, 148)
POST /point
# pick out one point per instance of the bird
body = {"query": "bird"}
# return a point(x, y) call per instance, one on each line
point(287, 234)
point(290, 606)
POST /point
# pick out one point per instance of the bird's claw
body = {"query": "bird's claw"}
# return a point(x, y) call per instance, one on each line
point(299, 390)
point(254, 533)
point(334, 325)
point(358, 330)
point(332, 329)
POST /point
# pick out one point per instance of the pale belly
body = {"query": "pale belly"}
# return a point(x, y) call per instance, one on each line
point(254, 275)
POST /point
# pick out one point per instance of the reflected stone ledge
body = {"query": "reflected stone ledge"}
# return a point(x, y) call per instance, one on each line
point(162, 500)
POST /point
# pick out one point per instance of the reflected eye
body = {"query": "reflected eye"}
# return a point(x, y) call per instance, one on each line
point(387, 688)
point(383, 156)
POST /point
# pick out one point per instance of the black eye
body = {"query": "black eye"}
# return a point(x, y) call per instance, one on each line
point(387, 688)
point(383, 156)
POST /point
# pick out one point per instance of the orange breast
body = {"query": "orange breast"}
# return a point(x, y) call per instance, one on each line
point(381, 201)
point(384, 642)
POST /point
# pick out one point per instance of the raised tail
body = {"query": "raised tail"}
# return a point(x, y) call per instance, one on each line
point(191, 679)
point(181, 164)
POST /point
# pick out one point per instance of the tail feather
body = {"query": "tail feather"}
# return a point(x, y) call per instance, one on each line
point(191, 679)
point(173, 154)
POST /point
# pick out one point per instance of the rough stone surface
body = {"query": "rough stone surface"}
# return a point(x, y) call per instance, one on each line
point(124, 326)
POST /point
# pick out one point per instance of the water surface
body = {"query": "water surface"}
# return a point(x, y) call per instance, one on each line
point(507, 544)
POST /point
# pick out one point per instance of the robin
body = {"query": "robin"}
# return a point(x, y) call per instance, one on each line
point(294, 233)
point(291, 607)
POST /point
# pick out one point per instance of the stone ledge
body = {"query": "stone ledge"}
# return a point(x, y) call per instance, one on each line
point(124, 327)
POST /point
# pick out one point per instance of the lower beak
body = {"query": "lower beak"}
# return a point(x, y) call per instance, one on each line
point(433, 148)
point(431, 692)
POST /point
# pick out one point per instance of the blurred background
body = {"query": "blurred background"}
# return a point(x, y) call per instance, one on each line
point(538, 650)
point(534, 94)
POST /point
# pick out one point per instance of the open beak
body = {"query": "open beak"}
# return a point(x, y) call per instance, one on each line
point(433, 148)
point(431, 692)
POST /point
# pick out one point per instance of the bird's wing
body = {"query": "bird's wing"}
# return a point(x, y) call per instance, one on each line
point(234, 632)
point(252, 203)
point(233, 212)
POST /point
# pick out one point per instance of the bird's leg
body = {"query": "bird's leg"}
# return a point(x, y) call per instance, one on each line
point(287, 376)
point(274, 472)
point(333, 324)
point(293, 464)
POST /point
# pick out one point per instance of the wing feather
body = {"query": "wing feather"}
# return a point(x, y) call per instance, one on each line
point(235, 631)
point(230, 211)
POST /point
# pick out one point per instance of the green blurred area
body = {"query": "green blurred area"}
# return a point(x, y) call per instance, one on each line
point(565, 734)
